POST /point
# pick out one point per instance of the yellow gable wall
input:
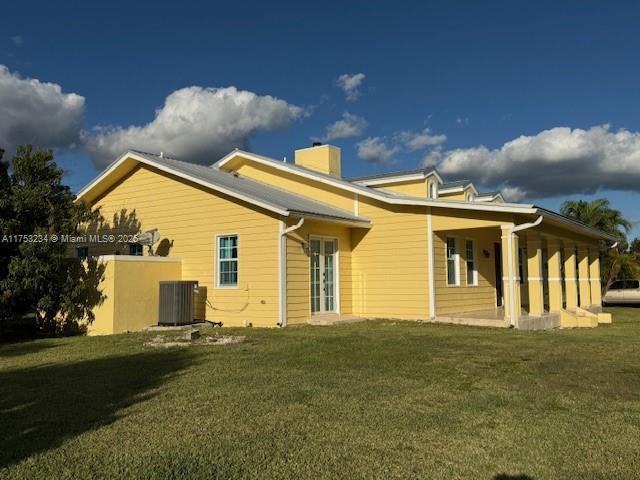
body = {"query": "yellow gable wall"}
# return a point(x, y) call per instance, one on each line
point(452, 196)
point(298, 269)
point(295, 183)
point(190, 217)
point(414, 188)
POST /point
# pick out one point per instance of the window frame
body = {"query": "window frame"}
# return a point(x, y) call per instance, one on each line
point(456, 261)
point(135, 254)
point(474, 261)
point(86, 248)
point(621, 282)
point(217, 271)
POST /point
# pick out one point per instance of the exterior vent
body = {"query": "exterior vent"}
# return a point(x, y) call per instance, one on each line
point(177, 302)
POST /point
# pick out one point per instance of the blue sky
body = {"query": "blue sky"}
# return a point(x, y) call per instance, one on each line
point(477, 73)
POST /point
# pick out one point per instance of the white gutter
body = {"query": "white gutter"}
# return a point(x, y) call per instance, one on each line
point(510, 267)
point(282, 257)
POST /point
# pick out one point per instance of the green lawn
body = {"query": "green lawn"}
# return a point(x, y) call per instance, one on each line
point(368, 400)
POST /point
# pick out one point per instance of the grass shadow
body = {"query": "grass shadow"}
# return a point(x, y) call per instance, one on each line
point(42, 407)
point(26, 347)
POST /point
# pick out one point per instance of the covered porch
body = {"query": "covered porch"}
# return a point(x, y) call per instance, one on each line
point(528, 275)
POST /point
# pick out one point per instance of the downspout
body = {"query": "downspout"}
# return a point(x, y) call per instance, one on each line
point(510, 264)
point(282, 283)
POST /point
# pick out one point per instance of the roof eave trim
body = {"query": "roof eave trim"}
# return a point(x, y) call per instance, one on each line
point(164, 168)
point(327, 218)
point(398, 178)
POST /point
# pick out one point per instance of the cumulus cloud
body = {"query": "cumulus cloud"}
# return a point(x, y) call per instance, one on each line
point(196, 124)
point(38, 113)
point(350, 84)
point(348, 126)
point(418, 140)
point(375, 150)
point(558, 161)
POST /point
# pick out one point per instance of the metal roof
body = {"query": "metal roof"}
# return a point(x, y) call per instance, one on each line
point(425, 171)
point(266, 194)
point(456, 184)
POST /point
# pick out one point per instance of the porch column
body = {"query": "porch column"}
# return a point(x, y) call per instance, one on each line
point(584, 283)
point(534, 268)
point(594, 275)
point(511, 287)
point(570, 276)
point(555, 275)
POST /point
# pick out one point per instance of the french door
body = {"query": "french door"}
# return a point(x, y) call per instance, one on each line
point(323, 267)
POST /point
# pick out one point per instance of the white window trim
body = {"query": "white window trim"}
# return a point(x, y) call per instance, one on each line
point(456, 259)
point(216, 266)
point(475, 261)
point(433, 195)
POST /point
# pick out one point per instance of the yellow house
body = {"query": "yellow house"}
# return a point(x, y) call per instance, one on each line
point(273, 243)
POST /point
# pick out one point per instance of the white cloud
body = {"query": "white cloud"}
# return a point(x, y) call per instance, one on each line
point(350, 84)
point(17, 40)
point(196, 124)
point(38, 113)
point(375, 150)
point(558, 161)
point(418, 140)
point(349, 126)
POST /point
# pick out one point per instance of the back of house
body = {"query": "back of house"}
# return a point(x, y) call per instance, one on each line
point(272, 243)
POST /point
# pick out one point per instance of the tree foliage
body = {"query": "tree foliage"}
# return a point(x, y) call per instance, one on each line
point(621, 262)
point(38, 277)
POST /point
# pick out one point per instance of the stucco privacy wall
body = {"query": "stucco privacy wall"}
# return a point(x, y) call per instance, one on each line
point(132, 293)
point(298, 274)
point(189, 218)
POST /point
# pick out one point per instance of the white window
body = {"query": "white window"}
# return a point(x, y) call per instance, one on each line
point(135, 249)
point(453, 263)
point(433, 192)
point(472, 271)
point(470, 197)
point(227, 247)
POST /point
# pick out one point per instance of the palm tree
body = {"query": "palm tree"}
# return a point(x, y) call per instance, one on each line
point(600, 215)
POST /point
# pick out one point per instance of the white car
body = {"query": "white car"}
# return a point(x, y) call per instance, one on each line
point(623, 292)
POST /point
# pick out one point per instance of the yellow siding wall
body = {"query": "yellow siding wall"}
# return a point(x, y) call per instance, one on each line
point(452, 196)
point(188, 218)
point(297, 184)
point(298, 274)
point(414, 188)
point(465, 298)
point(390, 263)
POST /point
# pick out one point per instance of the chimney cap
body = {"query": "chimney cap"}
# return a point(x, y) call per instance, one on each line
point(316, 144)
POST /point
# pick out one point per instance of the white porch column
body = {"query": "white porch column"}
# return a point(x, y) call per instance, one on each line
point(511, 287)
